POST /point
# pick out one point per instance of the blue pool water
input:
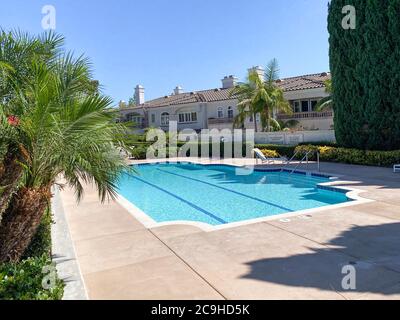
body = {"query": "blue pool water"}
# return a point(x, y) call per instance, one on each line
point(217, 195)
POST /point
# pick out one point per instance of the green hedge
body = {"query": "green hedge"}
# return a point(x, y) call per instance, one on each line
point(283, 150)
point(329, 152)
point(140, 149)
point(23, 280)
point(352, 156)
point(320, 143)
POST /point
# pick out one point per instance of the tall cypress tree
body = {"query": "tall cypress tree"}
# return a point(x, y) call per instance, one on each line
point(365, 66)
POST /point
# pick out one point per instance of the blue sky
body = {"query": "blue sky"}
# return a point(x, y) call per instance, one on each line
point(192, 43)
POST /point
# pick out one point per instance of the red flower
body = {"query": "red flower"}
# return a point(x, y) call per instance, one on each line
point(13, 121)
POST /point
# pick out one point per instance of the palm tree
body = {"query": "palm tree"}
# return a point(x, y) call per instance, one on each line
point(18, 50)
point(259, 96)
point(63, 131)
point(244, 93)
point(327, 102)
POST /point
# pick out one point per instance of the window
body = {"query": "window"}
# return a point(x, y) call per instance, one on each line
point(137, 119)
point(296, 106)
point(220, 112)
point(251, 119)
point(314, 105)
point(304, 105)
point(165, 119)
point(230, 113)
point(258, 117)
point(134, 118)
point(153, 118)
point(187, 117)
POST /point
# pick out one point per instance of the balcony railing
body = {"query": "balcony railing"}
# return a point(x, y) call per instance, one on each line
point(220, 120)
point(137, 125)
point(306, 115)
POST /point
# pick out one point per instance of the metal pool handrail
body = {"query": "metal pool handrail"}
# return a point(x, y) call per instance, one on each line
point(305, 158)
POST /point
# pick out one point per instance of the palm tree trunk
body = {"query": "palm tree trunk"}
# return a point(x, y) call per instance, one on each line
point(10, 173)
point(20, 222)
point(268, 117)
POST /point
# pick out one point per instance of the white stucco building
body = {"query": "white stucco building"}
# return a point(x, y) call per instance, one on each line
point(214, 108)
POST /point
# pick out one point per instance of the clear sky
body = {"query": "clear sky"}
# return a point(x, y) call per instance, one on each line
point(191, 43)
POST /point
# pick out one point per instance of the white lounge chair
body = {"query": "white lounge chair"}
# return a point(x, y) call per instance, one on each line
point(259, 155)
point(396, 168)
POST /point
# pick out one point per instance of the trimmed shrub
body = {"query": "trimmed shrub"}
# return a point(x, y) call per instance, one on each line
point(319, 143)
point(209, 147)
point(355, 156)
point(302, 150)
point(283, 150)
point(23, 281)
point(270, 153)
point(351, 156)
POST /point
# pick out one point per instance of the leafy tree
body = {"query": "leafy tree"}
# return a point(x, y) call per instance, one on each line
point(366, 74)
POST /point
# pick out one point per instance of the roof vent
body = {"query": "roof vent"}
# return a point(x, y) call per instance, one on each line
point(192, 93)
point(324, 74)
point(217, 89)
point(279, 80)
point(166, 97)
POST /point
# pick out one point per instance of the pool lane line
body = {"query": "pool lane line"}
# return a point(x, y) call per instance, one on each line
point(183, 200)
point(232, 191)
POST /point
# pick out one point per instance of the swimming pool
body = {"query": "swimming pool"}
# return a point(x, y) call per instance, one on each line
point(216, 195)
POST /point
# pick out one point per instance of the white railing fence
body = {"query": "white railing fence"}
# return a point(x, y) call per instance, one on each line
point(294, 137)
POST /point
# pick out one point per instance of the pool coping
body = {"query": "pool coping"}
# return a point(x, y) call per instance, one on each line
point(352, 193)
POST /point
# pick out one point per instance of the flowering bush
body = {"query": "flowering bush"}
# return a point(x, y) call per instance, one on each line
point(13, 120)
point(270, 153)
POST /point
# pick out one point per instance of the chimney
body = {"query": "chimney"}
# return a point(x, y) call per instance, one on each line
point(178, 90)
point(139, 95)
point(229, 82)
point(259, 70)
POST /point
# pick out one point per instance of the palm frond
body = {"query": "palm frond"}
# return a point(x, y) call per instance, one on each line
point(272, 71)
point(66, 128)
point(324, 104)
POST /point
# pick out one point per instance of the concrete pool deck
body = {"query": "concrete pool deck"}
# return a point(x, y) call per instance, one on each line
point(298, 258)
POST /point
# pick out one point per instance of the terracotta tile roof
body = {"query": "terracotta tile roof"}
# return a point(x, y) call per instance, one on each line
point(310, 81)
point(288, 84)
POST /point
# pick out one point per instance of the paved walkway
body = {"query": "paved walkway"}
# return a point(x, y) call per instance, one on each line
point(300, 259)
